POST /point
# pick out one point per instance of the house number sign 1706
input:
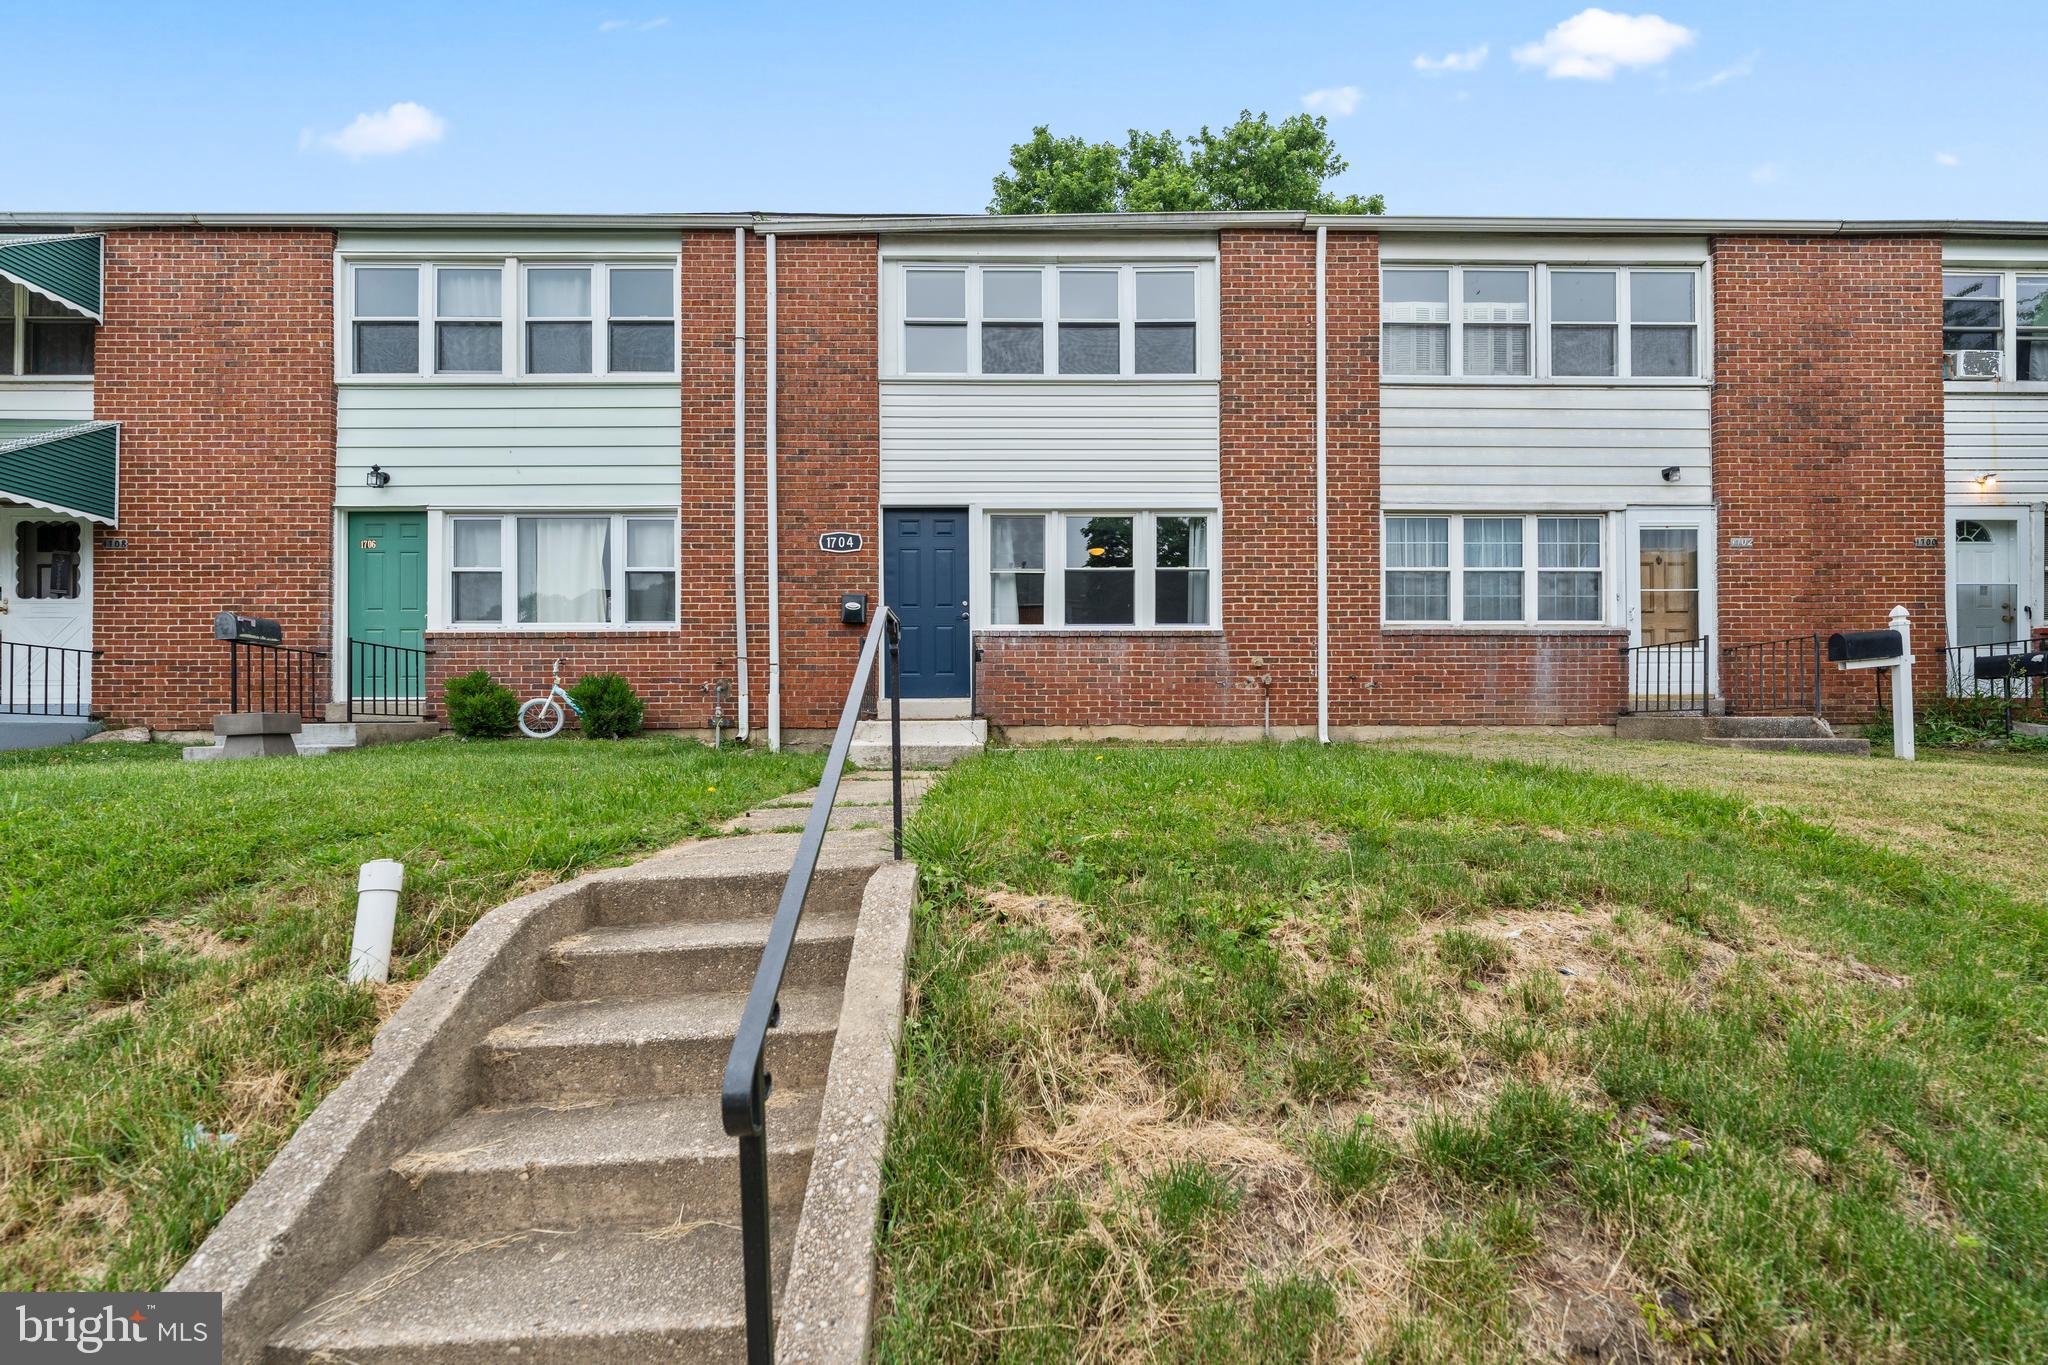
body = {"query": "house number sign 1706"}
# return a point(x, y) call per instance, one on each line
point(840, 542)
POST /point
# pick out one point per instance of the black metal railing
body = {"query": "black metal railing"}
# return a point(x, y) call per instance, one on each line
point(267, 677)
point(386, 680)
point(1671, 678)
point(1773, 677)
point(45, 680)
point(745, 1098)
point(1959, 668)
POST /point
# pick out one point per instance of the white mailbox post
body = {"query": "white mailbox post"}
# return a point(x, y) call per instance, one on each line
point(1892, 649)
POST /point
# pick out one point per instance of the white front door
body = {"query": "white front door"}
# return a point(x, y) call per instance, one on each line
point(45, 612)
point(1989, 608)
point(1668, 573)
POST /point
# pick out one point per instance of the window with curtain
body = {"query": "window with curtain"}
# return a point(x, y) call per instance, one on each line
point(1143, 570)
point(1599, 322)
point(387, 319)
point(1016, 559)
point(584, 570)
point(2030, 328)
point(1496, 318)
point(558, 320)
point(48, 560)
point(1493, 569)
point(469, 328)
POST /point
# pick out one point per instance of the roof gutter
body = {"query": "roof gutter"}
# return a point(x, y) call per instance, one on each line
point(1025, 222)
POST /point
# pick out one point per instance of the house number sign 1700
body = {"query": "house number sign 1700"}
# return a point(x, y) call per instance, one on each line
point(840, 542)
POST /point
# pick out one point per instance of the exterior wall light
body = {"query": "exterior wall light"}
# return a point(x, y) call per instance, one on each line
point(1986, 482)
point(1671, 473)
point(376, 478)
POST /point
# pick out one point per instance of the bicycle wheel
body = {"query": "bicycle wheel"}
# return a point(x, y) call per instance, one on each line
point(540, 718)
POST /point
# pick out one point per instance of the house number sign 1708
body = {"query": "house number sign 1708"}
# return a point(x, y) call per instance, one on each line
point(840, 542)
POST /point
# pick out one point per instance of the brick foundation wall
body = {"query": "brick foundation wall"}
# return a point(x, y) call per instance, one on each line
point(1828, 441)
point(217, 360)
point(1088, 677)
point(1467, 678)
point(662, 667)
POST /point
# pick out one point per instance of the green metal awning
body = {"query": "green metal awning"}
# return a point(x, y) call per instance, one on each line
point(65, 268)
point(68, 467)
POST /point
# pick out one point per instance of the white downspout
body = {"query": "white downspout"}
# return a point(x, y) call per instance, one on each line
point(1322, 498)
point(739, 467)
point(774, 532)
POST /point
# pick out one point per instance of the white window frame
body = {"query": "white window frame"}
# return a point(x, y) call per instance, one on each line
point(897, 320)
point(441, 594)
point(2008, 323)
point(16, 341)
point(1144, 561)
point(1531, 571)
point(512, 318)
point(1540, 323)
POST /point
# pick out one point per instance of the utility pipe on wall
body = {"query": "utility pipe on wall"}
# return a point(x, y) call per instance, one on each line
point(739, 467)
point(774, 532)
point(1322, 496)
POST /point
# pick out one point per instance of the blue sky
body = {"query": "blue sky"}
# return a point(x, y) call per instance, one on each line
point(1675, 107)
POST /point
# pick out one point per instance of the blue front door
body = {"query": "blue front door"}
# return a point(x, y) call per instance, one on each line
point(924, 577)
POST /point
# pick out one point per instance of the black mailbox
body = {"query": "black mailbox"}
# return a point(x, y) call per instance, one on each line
point(853, 609)
point(251, 630)
point(1996, 667)
point(1857, 646)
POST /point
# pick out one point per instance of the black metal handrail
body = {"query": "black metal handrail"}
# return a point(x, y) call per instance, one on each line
point(45, 680)
point(1773, 677)
point(1959, 668)
point(385, 680)
point(744, 1101)
point(269, 677)
point(1674, 677)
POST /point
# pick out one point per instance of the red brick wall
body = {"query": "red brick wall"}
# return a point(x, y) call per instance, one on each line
point(1093, 677)
point(1828, 440)
point(1468, 678)
point(829, 457)
point(663, 667)
point(217, 360)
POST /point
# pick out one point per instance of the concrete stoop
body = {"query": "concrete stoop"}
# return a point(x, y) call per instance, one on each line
point(318, 738)
point(1750, 734)
point(531, 1164)
point(926, 743)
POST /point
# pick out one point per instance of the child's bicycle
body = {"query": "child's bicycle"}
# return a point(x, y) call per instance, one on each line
point(542, 717)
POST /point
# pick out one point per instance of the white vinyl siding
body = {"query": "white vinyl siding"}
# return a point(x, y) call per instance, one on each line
point(510, 445)
point(1597, 447)
point(1073, 444)
point(2003, 434)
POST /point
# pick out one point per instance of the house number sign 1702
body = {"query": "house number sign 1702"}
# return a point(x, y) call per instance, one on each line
point(840, 542)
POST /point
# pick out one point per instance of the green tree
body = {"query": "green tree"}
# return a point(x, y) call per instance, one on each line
point(1252, 164)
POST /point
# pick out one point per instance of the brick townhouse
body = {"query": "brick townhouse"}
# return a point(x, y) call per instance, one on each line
point(1143, 474)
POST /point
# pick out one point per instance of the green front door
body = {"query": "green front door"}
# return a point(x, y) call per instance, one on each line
point(387, 602)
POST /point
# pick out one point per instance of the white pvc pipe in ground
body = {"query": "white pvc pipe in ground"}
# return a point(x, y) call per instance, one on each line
point(377, 887)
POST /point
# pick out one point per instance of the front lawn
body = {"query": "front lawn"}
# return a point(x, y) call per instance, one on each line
point(1285, 1053)
point(173, 938)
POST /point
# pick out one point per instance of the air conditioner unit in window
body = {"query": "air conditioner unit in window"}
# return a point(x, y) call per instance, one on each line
point(1971, 364)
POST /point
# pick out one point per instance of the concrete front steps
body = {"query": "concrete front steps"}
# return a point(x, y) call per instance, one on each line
point(1750, 734)
point(927, 743)
point(577, 1201)
point(316, 738)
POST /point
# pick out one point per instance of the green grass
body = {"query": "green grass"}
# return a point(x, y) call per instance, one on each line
point(172, 939)
point(1431, 1058)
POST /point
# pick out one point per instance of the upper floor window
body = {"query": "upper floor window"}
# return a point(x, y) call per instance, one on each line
point(40, 337)
point(1994, 325)
point(1539, 322)
point(509, 319)
point(1129, 321)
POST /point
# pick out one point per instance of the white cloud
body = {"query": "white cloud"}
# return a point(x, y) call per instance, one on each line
point(1769, 173)
point(1947, 159)
point(400, 128)
point(1340, 100)
point(1451, 63)
point(1741, 69)
point(637, 25)
point(1595, 43)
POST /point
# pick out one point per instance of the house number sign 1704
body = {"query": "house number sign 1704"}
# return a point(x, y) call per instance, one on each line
point(840, 542)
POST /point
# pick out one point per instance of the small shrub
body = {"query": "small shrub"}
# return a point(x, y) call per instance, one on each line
point(611, 708)
point(1350, 1162)
point(479, 708)
point(1961, 723)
